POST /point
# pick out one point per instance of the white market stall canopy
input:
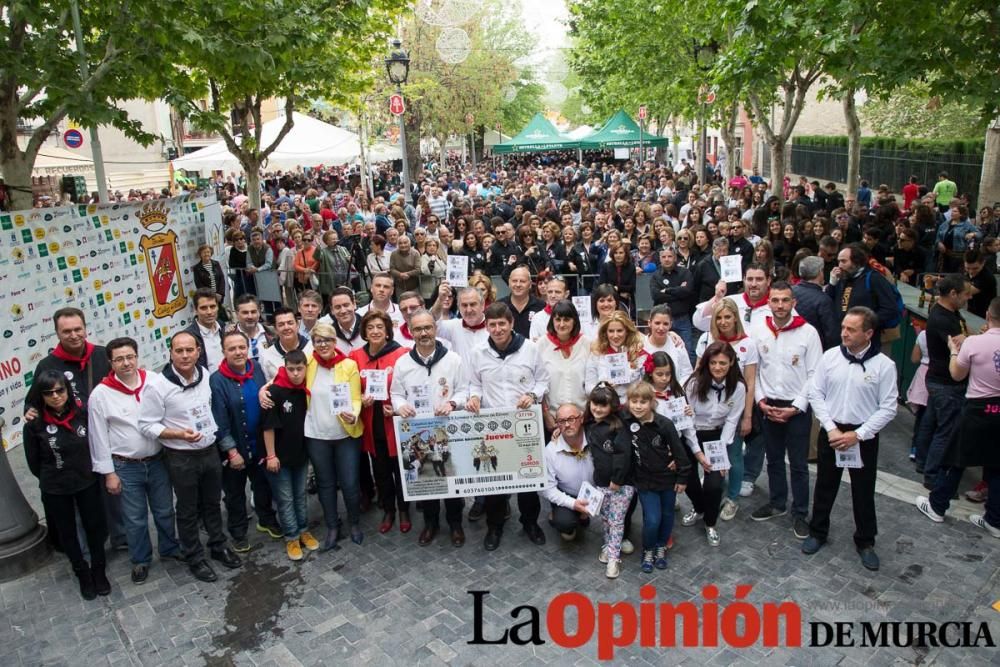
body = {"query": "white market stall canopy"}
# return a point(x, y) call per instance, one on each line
point(580, 132)
point(309, 143)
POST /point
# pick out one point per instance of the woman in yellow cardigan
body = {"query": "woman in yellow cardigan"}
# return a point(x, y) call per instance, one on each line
point(333, 430)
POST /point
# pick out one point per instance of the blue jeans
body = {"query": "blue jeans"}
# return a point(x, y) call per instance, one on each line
point(753, 458)
point(682, 325)
point(145, 484)
point(288, 487)
point(939, 424)
point(337, 464)
point(735, 474)
point(791, 437)
point(657, 517)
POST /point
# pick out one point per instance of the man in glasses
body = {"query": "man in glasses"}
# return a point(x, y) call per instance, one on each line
point(739, 244)
point(568, 464)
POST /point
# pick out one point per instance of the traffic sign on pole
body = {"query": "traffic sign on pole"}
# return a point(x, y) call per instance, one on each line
point(396, 105)
point(73, 138)
point(642, 112)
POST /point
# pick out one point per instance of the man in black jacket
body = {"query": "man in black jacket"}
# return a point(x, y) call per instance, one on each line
point(206, 328)
point(674, 286)
point(708, 272)
point(857, 284)
point(812, 302)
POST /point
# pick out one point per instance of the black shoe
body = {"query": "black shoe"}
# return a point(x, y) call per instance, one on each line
point(800, 527)
point(87, 589)
point(227, 558)
point(101, 583)
point(139, 574)
point(240, 545)
point(766, 512)
point(202, 571)
point(457, 537)
point(492, 539)
point(477, 511)
point(535, 534)
point(869, 558)
point(811, 545)
point(427, 535)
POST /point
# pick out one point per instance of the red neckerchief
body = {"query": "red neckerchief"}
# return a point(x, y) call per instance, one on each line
point(60, 353)
point(282, 380)
point(50, 418)
point(548, 309)
point(405, 330)
point(665, 395)
point(338, 356)
point(466, 325)
point(796, 322)
point(112, 381)
point(732, 339)
point(758, 304)
point(228, 372)
point(567, 347)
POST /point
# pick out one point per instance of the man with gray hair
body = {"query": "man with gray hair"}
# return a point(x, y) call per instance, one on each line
point(708, 272)
point(813, 303)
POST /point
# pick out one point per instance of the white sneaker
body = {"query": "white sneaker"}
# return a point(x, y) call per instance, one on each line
point(713, 537)
point(980, 520)
point(613, 569)
point(691, 517)
point(746, 489)
point(924, 505)
point(603, 557)
point(627, 547)
point(729, 509)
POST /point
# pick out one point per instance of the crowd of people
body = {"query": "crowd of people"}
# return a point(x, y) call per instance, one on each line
point(691, 396)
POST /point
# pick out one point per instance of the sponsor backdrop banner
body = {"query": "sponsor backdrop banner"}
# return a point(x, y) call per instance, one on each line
point(126, 266)
point(465, 454)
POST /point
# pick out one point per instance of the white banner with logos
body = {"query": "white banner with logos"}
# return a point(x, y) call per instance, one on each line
point(126, 266)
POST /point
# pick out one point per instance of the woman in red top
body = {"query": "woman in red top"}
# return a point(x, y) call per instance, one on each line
point(306, 265)
point(376, 360)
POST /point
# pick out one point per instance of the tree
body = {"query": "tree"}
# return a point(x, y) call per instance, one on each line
point(244, 52)
point(913, 113)
point(40, 76)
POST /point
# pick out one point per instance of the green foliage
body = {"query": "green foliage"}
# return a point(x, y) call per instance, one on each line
point(912, 112)
point(972, 147)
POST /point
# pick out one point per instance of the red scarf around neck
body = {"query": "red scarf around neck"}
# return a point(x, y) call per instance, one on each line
point(60, 353)
point(548, 309)
point(282, 380)
point(50, 418)
point(405, 330)
point(228, 372)
point(111, 380)
point(567, 347)
point(731, 339)
point(337, 357)
point(665, 395)
point(757, 304)
point(795, 323)
point(471, 327)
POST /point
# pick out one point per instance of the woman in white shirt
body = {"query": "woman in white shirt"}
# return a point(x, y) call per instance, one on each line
point(717, 394)
point(564, 351)
point(616, 355)
point(432, 270)
point(333, 430)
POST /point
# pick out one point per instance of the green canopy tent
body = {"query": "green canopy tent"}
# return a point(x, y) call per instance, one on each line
point(621, 132)
point(538, 135)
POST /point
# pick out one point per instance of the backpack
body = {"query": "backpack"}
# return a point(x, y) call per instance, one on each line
point(873, 265)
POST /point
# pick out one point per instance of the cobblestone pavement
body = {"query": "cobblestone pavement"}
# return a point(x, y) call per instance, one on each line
point(392, 602)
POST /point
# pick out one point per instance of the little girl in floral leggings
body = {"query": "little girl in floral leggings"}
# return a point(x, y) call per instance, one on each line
point(612, 462)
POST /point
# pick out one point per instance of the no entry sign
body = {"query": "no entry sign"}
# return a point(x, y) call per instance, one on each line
point(73, 138)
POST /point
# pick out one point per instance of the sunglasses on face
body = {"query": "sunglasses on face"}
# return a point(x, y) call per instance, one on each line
point(58, 391)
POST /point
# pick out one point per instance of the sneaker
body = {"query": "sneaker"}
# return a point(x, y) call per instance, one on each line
point(691, 517)
point(811, 545)
point(713, 537)
point(913, 453)
point(980, 520)
point(627, 546)
point(647, 561)
point(924, 505)
point(613, 569)
point(308, 542)
point(977, 494)
point(800, 527)
point(746, 489)
point(273, 532)
point(766, 512)
point(729, 509)
point(603, 557)
point(241, 545)
point(660, 557)
point(568, 537)
point(294, 549)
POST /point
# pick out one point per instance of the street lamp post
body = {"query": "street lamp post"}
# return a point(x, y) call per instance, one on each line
point(397, 65)
point(704, 59)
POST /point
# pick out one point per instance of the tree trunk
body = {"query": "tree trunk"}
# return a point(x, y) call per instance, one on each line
point(17, 177)
point(778, 169)
point(251, 168)
point(412, 122)
point(853, 141)
point(989, 182)
point(727, 129)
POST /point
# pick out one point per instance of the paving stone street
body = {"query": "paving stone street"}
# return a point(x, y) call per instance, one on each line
point(392, 602)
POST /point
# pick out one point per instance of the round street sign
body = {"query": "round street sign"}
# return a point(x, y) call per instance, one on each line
point(396, 105)
point(73, 138)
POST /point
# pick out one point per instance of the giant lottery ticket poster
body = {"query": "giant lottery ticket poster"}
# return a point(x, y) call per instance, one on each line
point(465, 454)
point(126, 266)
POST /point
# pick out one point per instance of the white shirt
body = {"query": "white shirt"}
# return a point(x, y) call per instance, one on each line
point(565, 473)
point(212, 339)
point(745, 349)
point(500, 383)
point(271, 358)
point(460, 338)
point(113, 423)
point(539, 325)
point(598, 370)
point(701, 318)
point(565, 375)
point(846, 393)
point(713, 412)
point(788, 362)
point(393, 311)
point(258, 339)
point(351, 344)
point(165, 405)
point(682, 363)
point(321, 422)
point(446, 380)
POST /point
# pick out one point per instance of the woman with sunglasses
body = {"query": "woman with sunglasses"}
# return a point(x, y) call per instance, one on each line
point(58, 454)
point(685, 257)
